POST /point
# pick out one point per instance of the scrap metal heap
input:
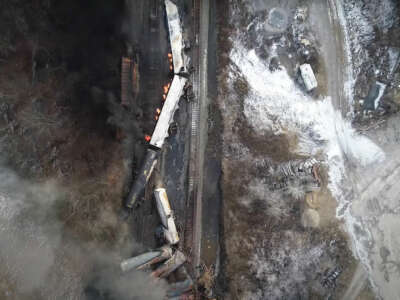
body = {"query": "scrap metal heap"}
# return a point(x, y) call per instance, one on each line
point(167, 259)
point(304, 170)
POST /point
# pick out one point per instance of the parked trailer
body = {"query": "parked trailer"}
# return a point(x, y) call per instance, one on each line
point(166, 216)
point(146, 259)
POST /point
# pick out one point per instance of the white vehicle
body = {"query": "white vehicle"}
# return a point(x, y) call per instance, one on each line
point(308, 76)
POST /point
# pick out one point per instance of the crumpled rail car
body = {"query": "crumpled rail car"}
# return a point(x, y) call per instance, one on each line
point(177, 260)
point(146, 259)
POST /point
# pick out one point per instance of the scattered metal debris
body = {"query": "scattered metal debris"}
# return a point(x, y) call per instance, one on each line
point(298, 168)
point(330, 279)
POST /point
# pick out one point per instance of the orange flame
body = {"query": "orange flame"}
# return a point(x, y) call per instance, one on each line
point(170, 67)
point(158, 111)
point(169, 55)
point(156, 118)
point(165, 87)
point(147, 138)
point(164, 97)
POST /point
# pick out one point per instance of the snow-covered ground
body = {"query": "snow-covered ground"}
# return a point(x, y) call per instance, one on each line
point(276, 102)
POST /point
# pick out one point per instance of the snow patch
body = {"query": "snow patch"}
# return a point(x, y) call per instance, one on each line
point(275, 103)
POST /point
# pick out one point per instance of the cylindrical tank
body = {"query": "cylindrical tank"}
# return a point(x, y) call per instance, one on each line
point(143, 177)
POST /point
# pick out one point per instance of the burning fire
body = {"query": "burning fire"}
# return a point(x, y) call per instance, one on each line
point(170, 61)
point(158, 111)
point(166, 88)
point(164, 97)
point(156, 118)
point(147, 138)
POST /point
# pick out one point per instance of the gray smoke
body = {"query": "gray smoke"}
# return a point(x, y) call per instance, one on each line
point(40, 261)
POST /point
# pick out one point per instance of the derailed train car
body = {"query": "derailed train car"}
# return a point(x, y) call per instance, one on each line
point(157, 140)
point(166, 216)
point(167, 258)
point(170, 106)
point(147, 259)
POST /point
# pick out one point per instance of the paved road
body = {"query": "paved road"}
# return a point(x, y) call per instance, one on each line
point(324, 18)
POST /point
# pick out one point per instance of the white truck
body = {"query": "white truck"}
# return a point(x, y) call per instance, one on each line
point(307, 74)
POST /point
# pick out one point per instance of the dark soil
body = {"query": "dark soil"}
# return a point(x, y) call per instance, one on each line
point(60, 74)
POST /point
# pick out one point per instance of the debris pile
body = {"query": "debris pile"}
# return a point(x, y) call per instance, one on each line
point(305, 171)
point(167, 259)
point(166, 116)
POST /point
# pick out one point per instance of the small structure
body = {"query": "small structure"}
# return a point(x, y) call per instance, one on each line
point(310, 82)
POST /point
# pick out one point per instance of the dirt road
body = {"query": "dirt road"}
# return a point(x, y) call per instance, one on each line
point(325, 21)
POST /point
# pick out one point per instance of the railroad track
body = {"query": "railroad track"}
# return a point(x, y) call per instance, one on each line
point(199, 114)
point(195, 114)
